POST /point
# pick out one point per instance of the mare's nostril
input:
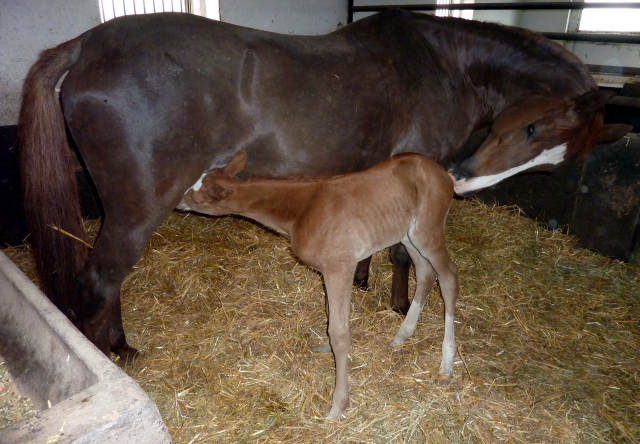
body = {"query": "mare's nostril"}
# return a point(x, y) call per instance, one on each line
point(458, 173)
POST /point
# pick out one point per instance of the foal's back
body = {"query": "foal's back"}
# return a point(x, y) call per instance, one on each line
point(367, 211)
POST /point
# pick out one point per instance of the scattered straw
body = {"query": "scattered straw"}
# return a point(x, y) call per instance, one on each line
point(226, 317)
point(66, 233)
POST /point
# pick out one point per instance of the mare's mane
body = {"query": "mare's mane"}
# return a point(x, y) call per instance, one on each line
point(513, 49)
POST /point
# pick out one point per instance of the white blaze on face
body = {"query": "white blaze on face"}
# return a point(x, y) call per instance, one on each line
point(196, 186)
point(553, 156)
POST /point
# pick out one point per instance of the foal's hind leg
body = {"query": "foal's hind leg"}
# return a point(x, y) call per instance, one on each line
point(425, 278)
point(448, 279)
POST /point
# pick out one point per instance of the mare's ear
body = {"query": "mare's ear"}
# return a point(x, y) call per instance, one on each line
point(611, 132)
point(236, 164)
point(592, 101)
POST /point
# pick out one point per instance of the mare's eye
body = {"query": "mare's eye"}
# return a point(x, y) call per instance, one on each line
point(530, 130)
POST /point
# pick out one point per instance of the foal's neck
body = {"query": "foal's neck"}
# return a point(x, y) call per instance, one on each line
point(274, 203)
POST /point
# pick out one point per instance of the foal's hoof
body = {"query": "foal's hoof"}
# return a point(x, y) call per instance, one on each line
point(336, 414)
point(324, 348)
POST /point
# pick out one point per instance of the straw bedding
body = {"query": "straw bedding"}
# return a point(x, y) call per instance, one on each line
point(225, 318)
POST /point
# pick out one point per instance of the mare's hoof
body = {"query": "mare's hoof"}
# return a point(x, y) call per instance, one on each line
point(324, 348)
point(402, 310)
point(126, 354)
point(362, 284)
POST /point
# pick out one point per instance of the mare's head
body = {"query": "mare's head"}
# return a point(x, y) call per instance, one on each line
point(536, 134)
point(211, 193)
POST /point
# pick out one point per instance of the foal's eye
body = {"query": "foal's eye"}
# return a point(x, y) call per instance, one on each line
point(530, 130)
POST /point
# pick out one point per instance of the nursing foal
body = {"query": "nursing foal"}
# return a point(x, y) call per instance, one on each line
point(335, 222)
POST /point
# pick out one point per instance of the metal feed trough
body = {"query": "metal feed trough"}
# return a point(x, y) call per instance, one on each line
point(91, 399)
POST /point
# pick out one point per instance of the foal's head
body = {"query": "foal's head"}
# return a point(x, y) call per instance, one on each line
point(211, 194)
point(537, 134)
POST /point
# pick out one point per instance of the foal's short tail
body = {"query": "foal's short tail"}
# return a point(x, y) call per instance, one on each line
point(49, 185)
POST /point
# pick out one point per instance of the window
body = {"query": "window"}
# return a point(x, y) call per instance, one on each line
point(115, 8)
point(610, 20)
point(462, 13)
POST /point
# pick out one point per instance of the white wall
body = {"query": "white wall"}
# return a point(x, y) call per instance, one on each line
point(28, 27)
point(286, 16)
point(505, 17)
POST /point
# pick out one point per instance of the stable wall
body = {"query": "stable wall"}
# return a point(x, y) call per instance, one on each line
point(307, 17)
point(28, 27)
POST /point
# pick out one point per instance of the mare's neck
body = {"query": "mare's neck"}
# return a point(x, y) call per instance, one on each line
point(502, 65)
point(274, 203)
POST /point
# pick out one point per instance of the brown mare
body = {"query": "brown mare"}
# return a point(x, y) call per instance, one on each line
point(153, 101)
point(329, 224)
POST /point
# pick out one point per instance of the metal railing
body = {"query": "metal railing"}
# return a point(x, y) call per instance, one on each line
point(522, 6)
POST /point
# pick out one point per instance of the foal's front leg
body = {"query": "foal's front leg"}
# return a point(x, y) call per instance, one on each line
point(338, 284)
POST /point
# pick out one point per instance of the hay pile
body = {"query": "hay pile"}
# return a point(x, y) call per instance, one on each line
point(13, 406)
point(225, 318)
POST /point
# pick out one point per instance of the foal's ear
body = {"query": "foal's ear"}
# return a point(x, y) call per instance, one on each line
point(236, 164)
point(592, 101)
point(217, 193)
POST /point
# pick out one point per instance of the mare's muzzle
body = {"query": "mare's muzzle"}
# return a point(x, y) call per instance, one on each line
point(458, 172)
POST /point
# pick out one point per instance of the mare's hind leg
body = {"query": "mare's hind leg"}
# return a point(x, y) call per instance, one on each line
point(117, 339)
point(115, 251)
point(425, 278)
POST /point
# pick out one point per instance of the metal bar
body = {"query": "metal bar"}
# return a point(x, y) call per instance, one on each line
point(613, 69)
point(632, 102)
point(524, 6)
point(633, 39)
point(350, 11)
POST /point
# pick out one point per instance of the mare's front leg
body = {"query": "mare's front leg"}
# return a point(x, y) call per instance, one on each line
point(361, 276)
point(401, 261)
point(338, 284)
